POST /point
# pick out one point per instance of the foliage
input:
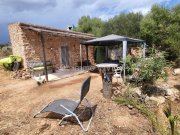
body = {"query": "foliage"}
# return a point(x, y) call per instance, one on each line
point(4, 51)
point(90, 25)
point(148, 70)
point(172, 119)
point(4, 45)
point(161, 28)
point(124, 24)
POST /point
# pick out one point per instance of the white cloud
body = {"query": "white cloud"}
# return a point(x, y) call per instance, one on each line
point(56, 11)
point(143, 10)
point(106, 9)
point(60, 14)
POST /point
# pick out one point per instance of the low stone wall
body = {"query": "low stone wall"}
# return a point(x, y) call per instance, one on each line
point(21, 74)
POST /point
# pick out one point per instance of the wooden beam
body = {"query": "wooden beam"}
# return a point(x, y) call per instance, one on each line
point(87, 62)
point(81, 55)
point(44, 55)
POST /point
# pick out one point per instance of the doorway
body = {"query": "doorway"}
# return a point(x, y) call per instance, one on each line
point(65, 56)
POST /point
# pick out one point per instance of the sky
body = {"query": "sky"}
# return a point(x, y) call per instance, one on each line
point(63, 13)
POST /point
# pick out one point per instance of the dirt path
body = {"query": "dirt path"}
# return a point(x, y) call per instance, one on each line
point(19, 100)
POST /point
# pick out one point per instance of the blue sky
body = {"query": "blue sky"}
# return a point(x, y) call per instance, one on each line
point(60, 14)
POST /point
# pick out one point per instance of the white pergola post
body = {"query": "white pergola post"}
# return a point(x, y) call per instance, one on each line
point(124, 58)
point(81, 55)
point(144, 49)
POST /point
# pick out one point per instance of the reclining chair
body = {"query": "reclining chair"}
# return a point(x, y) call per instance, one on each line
point(67, 107)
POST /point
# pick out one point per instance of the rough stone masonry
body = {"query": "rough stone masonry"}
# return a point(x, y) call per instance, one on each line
point(26, 42)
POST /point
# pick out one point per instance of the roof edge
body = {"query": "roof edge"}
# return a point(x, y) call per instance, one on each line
point(50, 28)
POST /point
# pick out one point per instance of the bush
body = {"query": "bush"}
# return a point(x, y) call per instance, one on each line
point(148, 70)
point(5, 52)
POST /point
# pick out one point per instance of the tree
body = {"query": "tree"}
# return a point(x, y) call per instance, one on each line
point(161, 28)
point(124, 24)
point(90, 25)
point(174, 32)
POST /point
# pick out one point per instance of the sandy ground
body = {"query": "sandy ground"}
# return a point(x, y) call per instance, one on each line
point(20, 100)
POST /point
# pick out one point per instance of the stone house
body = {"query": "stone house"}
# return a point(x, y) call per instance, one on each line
point(60, 47)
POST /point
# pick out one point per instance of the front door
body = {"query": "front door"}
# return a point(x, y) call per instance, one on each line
point(65, 56)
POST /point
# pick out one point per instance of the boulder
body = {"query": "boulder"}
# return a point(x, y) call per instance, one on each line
point(172, 92)
point(136, 92)
point(176, 71)
point(154, 100)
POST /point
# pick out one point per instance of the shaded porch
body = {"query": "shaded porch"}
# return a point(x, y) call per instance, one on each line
point(61, 74)
point(114, 40)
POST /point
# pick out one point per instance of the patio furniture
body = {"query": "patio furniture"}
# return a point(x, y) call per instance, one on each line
point(106, 73)
point(67, 107)
point(117, 73)
point(38, 68)
point(113, 40)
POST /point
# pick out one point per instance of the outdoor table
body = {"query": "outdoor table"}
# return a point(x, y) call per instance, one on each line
point(105, 70)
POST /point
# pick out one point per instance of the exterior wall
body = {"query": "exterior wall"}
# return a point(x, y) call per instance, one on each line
point(27, 44)
point(136, 51)
point(16, 38)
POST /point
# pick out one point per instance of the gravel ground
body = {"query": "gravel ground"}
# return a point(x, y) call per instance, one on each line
point(20, 99)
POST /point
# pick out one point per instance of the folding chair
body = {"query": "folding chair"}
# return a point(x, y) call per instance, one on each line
point(67, 107)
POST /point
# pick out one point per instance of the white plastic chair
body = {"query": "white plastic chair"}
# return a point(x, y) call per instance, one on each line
point(117, 73)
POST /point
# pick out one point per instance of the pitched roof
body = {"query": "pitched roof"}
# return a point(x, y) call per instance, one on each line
point(111, 39)
point(54, 31)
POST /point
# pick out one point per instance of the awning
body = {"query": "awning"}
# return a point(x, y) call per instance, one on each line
point(111, 40)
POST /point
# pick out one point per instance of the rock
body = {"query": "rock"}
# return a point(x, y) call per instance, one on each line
point(133, 112)
point(21, 74)
point(172, 92)
point(171, 98)
point(23, 78)
point(117, 92)
point(109, 109)
point(154, 100)
point(40, 81)
point(136, 92)
point(130, 106)
point(165, 86)
point(176, 71)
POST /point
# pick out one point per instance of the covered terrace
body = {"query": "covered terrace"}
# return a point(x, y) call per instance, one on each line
point(112, 40)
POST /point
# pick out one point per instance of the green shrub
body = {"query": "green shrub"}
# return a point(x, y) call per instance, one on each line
point(148, 70)
point(5, 52)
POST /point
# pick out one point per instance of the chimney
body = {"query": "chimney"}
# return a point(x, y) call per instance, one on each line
point(70, 28)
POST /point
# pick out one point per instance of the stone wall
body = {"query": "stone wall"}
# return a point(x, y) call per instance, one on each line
point(27, 44)
point(16, 38)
